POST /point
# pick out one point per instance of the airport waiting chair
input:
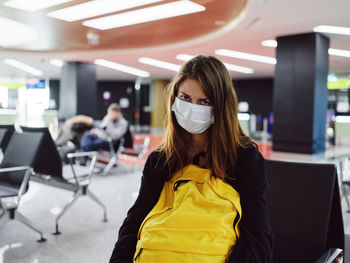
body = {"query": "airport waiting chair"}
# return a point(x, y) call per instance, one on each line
point(305, 210)
point(50, 170)
point(344, 176)
point(6, 132)
point(2, 136)
point(134, 147)
point(15, 172)
point(115, 149)
point(139, 150)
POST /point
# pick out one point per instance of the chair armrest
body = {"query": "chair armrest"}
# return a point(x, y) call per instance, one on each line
point(14, 169)
point(333, 255)
point(28, 173)
point(81, 154)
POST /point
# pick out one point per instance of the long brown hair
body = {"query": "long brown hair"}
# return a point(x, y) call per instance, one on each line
point(225, 136)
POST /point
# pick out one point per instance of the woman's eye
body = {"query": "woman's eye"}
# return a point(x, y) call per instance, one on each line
point(184, 97)
point(205, 102)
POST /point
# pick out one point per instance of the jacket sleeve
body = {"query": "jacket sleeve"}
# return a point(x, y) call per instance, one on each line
point(148, 196)
point(255, 240)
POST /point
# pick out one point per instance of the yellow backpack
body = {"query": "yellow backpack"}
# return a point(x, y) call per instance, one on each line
point(195, 220)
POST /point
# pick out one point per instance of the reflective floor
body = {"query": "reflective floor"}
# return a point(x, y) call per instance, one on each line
point(84, 238)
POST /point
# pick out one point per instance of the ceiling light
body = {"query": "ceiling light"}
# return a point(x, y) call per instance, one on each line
point(246, 56)
point(96, 8)
point(22, 66)
point(123, 68)
point(339, 52)
point(33, 5)
point(231, 67)
point(332, 29)
point(160, 64)
point(145, 15)
point(56, 62)
point(15, 33)
point(269, 43)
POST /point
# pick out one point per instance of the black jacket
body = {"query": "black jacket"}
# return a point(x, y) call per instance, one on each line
point(255, 241)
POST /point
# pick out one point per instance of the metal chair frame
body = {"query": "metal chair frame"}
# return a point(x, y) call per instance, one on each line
point(49, 170)
point(79, 185)
point(9, 208)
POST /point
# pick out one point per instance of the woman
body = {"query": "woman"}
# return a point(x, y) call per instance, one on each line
point(203, 192)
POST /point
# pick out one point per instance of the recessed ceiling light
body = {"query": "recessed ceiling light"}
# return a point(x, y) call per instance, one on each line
point(33, 5)
point(22, 66)
point(96, 8)
point(231, 67)
point(15, 33)
point(339, 52)
point(148, 14)
point(123, 68)
point(246, 56)
point(160, 64)
point(332, 29)
point(269, 43)
point(56, 62)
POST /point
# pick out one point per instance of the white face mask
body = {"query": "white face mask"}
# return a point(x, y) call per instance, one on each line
point(192, 117)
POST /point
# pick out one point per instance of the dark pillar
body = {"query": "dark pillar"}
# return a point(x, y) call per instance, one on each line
point(300, 93)
point(78, 90)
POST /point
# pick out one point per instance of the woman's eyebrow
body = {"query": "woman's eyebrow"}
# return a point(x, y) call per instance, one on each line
point(184, 93)
point(190, 96)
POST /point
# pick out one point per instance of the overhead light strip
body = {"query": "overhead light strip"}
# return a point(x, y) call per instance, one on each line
point(231, 67)
point(160, 64)
point(339, 52)
point(56, 62)
point(33, 5)
point(123, 68)
point(246, 56)
point(148, 14)
point(96, 8)
point(269, 43)
point(22, 66)
point(332, 29)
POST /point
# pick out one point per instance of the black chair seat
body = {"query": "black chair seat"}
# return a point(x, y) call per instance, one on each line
point(305, 210)
point(6, 132)
point(8, 191)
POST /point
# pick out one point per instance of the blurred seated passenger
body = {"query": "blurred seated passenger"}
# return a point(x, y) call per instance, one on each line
point(73, 130)
point(113, 127)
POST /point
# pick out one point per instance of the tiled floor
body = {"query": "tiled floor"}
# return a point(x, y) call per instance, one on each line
point(85, 238)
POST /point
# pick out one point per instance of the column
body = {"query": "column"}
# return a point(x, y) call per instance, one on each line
point(78, 90)
point(300, 93)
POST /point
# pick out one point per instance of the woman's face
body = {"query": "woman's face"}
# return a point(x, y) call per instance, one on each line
point(191, 91)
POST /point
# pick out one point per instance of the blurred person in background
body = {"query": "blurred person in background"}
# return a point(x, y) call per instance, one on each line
point(112, 127)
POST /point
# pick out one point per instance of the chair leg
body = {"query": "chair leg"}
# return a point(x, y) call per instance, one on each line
point(94, 198)
point(109, 165)
point(65, 208)
point(28, 223)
